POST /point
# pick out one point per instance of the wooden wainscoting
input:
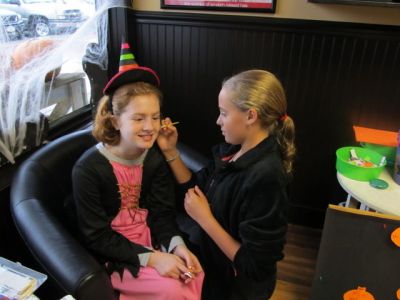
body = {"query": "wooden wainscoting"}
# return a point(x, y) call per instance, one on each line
point(335, 74)
point(296, 270)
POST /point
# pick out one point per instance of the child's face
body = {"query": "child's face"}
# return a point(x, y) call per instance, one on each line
point(233, 122)
point(140, 122)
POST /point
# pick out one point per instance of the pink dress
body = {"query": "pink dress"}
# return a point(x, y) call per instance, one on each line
point(131, 223)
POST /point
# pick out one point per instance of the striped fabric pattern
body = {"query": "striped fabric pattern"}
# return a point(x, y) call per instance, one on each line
point(127, 59)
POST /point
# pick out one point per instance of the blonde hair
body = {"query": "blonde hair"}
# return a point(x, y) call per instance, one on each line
point(104, 130)
point(262, 91)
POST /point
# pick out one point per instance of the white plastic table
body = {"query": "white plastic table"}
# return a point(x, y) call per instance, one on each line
point(385, 201)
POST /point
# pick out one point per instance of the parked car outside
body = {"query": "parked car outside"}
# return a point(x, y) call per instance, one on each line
point(44, 17)
point(12, 24)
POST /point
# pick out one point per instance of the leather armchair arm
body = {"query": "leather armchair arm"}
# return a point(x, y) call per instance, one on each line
point(74, 269)
point(38, 193)
point(194, 160)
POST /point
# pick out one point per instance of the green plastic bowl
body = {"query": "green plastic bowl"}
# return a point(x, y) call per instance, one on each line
point(388, 152)
point(347, 169)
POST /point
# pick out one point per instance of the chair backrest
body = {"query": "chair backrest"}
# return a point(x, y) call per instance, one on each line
point(39, 193)
point(356, 250)
point(47, 173)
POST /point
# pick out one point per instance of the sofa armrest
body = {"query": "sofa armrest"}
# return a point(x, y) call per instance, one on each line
point(193, 159)
point(38, 191)
point(70, 264)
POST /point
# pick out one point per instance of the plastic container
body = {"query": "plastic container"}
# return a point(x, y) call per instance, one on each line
point(388, 152)
point(18, 282)
point(347, 169)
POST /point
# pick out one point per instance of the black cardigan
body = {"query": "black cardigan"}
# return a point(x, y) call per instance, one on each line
point(248, 197)
point(97, 202)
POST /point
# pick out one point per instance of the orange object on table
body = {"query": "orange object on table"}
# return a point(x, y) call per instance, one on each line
point(359, 294)
point(398, 294)
point(375, 136)
point(395, 236)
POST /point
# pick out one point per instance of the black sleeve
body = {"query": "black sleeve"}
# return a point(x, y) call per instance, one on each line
point(262, 230)
point(95, 224)
point(200, 178)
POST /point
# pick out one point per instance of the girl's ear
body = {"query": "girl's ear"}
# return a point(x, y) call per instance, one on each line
point(252, 116)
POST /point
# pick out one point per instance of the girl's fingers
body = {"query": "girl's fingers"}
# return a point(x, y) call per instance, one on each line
point(185, 279)
point(198, 191)
point(196, 268)
point(182, 268)
point(166, 122)
point(175, 275)
point(177, 271)
point(188, 276)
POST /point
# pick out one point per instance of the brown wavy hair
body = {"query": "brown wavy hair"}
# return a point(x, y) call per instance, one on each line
point(262, 91)
point(103, 129)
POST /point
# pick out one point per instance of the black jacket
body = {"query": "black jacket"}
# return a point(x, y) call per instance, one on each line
point(248, 197)
point(97, 202)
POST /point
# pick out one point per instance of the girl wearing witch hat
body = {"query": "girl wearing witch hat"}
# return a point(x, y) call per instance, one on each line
point(124, 193)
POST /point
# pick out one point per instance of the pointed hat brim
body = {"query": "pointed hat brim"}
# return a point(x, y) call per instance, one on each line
point(136, 74)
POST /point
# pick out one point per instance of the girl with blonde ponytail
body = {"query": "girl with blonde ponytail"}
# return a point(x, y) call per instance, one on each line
point(262, 91)
point(237, 204)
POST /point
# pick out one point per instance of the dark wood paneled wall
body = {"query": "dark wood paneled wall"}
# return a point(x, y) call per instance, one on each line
point(335, 75)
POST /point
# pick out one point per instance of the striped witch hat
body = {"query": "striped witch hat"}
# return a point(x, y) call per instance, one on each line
point(129, 71)
point(126, 59)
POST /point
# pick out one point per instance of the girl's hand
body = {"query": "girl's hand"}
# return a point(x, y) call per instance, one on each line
point(167, 265)
point(192, 263)
point(167, 137)
point(196, 205)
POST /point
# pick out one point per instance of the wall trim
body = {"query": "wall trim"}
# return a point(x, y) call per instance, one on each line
point(232, 21)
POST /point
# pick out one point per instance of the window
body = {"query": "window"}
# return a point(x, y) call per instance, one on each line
point(42, 46)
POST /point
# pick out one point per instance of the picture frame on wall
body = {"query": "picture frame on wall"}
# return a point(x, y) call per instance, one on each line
point(386, 3)
point(267, 6)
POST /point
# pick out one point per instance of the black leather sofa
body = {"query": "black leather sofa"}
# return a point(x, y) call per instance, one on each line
point(40, 193)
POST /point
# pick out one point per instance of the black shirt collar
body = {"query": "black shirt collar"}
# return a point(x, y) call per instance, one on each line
point(268, 145)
